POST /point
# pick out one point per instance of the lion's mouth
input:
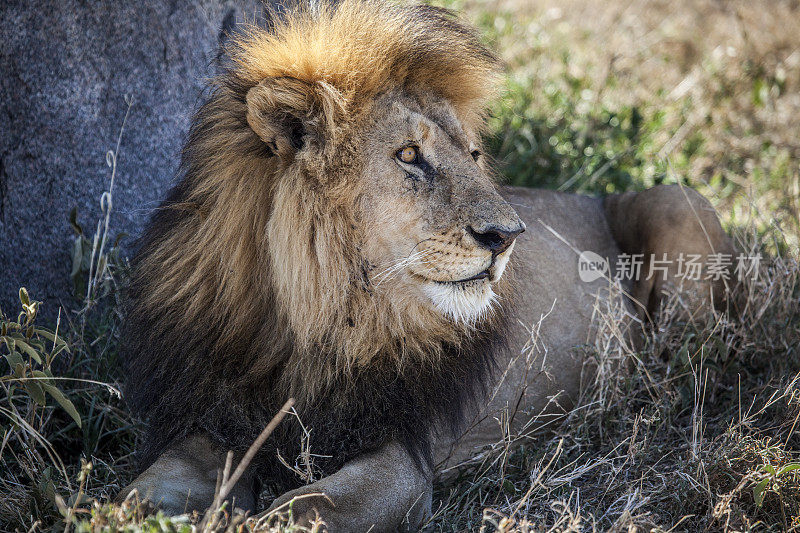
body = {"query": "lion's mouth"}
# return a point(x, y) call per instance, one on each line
point(490, 274)
point(479, 276)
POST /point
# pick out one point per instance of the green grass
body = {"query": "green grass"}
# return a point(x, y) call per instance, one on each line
point(695, 431)
point(592, 106)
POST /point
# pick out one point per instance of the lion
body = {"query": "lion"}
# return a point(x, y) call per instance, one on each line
point(337, 236)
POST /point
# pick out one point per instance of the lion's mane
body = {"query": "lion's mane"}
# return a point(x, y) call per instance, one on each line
point(248, 286)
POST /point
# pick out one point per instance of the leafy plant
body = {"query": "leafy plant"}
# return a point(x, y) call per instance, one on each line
point(770, 480)
point(30, 362)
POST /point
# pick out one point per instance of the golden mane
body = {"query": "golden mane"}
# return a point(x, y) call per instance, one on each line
point(361, 48)
point(215, 262)
point(249, 275)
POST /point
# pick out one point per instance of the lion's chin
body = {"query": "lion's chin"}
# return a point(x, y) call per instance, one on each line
point(465, 302)
point(471, 300)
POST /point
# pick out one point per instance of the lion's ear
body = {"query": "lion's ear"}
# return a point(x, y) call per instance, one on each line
point(280, 111)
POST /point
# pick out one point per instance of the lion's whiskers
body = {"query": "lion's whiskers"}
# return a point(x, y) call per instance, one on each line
point(391, 271)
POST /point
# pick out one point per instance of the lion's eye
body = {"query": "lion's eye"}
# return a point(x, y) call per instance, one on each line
point(475, 154)
point(409, 154)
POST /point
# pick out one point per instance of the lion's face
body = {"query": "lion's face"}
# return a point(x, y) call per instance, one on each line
point(438, 230)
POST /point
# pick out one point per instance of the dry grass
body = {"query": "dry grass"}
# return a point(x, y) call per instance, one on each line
point(676, 435)
point(695, 431)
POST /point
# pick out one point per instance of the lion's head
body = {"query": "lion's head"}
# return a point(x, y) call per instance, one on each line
point(336, 212)
point(382, 179)
point(415, 220)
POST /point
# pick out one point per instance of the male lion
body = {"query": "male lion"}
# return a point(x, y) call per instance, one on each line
point(337, 238)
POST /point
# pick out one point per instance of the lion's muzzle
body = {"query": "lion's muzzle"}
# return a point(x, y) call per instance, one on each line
point(494, 238)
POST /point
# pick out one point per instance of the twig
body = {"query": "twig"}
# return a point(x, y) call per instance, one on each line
point(228, 482)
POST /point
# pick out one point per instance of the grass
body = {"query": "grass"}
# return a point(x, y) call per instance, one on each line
point(694, 431)
point(610, 96)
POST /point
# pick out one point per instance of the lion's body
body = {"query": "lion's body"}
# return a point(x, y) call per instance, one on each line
point(336, 238)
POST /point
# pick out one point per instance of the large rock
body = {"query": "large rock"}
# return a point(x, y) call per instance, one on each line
point(65, 68)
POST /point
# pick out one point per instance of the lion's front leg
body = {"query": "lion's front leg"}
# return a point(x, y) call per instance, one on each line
point(675, 233)
point(184, 479)
point(379, 491)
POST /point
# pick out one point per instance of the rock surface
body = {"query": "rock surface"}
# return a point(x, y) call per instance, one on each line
point(65, 70)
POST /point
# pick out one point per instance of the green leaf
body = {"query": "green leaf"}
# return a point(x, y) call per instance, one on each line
point(73, 221)
point(77, 256)
point(10, 342)
point(61, 348)
point(52, 338)
point(63, 401)
point(35, 391)
point(47, 488)
point(788, 468)
point(758, 492)
point(28, 349)
point(14, 359)
point(23, 296)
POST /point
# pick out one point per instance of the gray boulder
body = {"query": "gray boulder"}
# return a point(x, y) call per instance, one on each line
point(65, 70)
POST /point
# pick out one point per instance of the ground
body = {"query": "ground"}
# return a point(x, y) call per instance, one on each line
point(695, 431)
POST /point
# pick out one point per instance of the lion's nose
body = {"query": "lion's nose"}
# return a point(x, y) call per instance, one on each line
point(496, 238)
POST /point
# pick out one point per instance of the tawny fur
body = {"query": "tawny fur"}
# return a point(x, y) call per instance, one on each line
point(249, 285)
